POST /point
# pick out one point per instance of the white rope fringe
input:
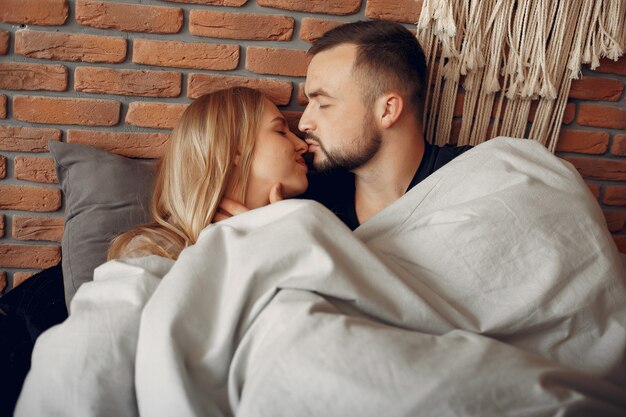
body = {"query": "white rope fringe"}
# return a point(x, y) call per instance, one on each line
point(512, 57)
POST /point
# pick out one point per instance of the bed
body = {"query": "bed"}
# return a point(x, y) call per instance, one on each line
point(491, 288)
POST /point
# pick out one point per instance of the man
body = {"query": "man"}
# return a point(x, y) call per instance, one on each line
point(366, 86)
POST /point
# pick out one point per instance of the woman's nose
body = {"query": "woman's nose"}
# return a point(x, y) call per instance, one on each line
point(301, 146)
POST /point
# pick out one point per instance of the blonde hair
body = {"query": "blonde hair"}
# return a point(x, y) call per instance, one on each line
point(197, 165)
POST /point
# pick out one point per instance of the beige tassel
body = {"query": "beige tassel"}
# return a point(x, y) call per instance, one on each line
point(512, 52)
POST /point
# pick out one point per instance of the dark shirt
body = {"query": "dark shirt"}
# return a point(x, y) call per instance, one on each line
point(25, 312)
point(336, 190)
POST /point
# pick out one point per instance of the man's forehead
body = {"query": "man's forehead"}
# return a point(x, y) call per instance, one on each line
point(338, 58)
point(330, 69)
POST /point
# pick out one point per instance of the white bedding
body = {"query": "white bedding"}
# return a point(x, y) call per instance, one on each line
point(492, 288)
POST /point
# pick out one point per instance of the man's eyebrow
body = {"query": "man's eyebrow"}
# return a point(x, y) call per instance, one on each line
point(317, 93)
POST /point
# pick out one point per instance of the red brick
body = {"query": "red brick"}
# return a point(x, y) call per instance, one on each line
point(128, 82)
point(17, 76)
point(37, 228)
point(4, 42)
point(312, 29)
point(602, 116)
point(36, 12)
point(129, 17)
point(458, 105)
point(614, 195)
point(72, 111)
point(613, 67)
point(288, 62)
point(261, 27)
point(35, 169)
point(277, 91)
point(156, 115)
point(2, 225)
point(3, 106)
point(407, 11)
point(70, 46)
point(338, 7)
point(136, 145)
point(591, 88)
point(3, 281)
point(233, 3)
point(27, 139)
point(21, 276)
point(619, 145)
point(595, 190)
point(600, 168)
point(3, 167)
point(29, 256)
point(301, 98)
point(615, 220)
point(620, 241)
point(22, 197)
point(198, 55)
point(583, 141)
point(569, 114)
point(455, 131)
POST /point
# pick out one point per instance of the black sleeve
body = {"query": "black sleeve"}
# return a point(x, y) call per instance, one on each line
point(25, 312)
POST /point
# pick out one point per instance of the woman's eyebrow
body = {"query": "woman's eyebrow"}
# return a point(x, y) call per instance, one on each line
point(279, 119)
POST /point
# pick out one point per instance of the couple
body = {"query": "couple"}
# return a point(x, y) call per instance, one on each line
point(232, 150)
point(491, 288)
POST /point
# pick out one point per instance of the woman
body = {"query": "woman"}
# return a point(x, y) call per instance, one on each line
point(232, 144)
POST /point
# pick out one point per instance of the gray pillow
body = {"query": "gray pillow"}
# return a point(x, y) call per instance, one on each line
point(105, 195)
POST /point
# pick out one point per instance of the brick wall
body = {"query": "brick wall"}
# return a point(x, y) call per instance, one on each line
point(117, 74)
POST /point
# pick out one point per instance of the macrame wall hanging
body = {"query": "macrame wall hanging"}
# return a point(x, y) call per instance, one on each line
point(507, 54)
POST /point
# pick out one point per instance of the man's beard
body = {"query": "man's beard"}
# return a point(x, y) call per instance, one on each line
point(370, 144)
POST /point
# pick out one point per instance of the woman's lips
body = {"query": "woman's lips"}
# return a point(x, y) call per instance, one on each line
point(312, 146)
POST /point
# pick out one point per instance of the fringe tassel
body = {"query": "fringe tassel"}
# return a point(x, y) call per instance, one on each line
point(512, 56)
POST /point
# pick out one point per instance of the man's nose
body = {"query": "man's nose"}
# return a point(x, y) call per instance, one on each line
point(305, 123)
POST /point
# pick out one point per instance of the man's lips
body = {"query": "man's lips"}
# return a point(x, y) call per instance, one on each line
point(312, 143)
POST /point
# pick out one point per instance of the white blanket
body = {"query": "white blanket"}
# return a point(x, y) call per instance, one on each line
point(492, 288)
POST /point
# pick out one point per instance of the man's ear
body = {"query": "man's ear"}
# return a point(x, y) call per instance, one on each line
point(390, 108)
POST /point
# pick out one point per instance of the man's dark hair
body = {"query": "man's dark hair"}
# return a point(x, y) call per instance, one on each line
point(389, 57)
